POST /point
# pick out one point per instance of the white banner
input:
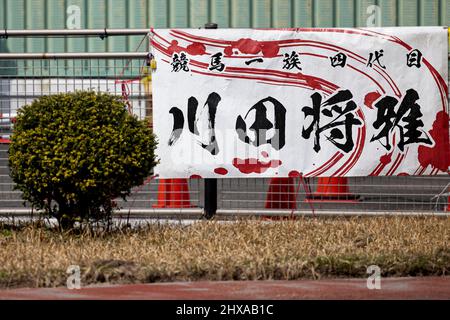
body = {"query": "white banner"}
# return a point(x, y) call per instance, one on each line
point(316, 102)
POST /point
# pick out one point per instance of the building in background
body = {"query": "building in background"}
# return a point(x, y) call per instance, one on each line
point(62, 14)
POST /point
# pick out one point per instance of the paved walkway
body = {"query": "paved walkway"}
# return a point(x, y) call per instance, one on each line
point(391, 288)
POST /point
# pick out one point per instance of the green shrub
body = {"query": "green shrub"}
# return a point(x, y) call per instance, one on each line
point(71, 154)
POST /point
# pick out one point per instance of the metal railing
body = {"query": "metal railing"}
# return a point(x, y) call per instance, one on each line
point(22, 80)
point(24, 77)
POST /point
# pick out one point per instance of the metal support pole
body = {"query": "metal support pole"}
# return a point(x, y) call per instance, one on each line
point(210, 183)
point(101, 33)
point(74, 55)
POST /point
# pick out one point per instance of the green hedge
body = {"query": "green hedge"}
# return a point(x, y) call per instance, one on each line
point(71, 154)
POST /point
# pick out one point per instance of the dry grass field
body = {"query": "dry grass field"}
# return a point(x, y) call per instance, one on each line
point(249, 249)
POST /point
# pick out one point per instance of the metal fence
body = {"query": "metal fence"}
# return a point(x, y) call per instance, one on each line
point(22, 80)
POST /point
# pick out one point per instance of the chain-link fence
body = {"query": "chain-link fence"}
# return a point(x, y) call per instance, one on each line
point(21, 81)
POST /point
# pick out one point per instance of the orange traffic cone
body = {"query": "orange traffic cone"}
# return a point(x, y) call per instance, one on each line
point(173, 193)
point(281, 194)
point(5, 139)
point(332, 189)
